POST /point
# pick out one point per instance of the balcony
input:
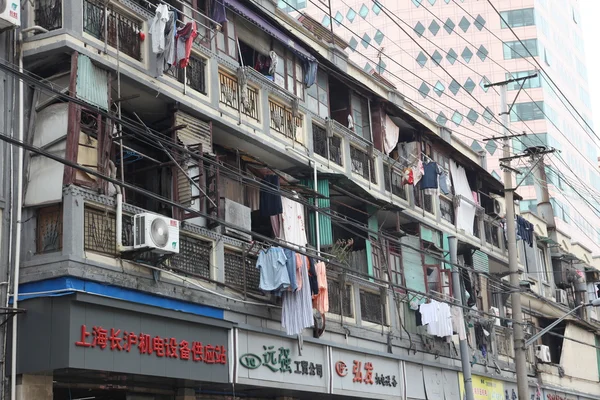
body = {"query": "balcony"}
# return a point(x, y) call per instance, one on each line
point(229, 96)
point(327, 147)
point(121, 31)
point(283, 121)
point(48, 14)
point(362, 164)
point(193, 76)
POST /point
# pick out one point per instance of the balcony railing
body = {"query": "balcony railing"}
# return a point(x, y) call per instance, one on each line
point(49, 229)
point(323, 144)
point(48, 14)
point(393, 182)
point(362, 164)
point(194, 76)
point(121, 29)
point(283, 121)
point(230, 96)
point(447, 210)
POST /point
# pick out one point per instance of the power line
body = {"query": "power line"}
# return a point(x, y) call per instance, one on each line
point(542, 69)
point(400, 79)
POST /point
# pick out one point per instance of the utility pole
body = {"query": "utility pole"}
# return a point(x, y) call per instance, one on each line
point(513, 265)
point(465, 358)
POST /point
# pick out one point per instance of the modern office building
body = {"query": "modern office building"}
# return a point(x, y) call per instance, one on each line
point(441, 53)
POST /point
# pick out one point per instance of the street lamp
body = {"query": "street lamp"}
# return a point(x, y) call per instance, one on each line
point(531, 340)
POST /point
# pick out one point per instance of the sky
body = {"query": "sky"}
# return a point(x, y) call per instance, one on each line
point(590, 14)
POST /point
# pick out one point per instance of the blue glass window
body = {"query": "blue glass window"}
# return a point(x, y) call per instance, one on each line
point(421, 59)
point(457, 117)
point(437, 57)
point(454, 87)
point(467, 54)
point(434, 27)
point(449, 26)
point(379, 37)
point(350, 15)
point(464, 24)
point(469, 85)
point(419, 29)
point(472, 116)
point(441, 118)
point(452, 56)
point(424, 89)
point(339, 18)
point(364, 11)
point(366, 40)
point(479, 22)
point(376, 9)
point(439, 88)
point(482, 53)
point(353, 43)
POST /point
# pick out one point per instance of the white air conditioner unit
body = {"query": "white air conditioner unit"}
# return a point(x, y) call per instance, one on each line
point(155, 232)
point(10, 14)
point(238, 215)
point(561, 296)
point(542, 353)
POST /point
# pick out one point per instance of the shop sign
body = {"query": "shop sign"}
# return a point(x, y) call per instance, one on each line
point(112, 339)
point(552, 395)
point(366, 375)
point(277, 362)
point(101, 335)
point(483, 388)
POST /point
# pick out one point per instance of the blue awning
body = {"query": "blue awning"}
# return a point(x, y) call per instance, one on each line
point(239, 8)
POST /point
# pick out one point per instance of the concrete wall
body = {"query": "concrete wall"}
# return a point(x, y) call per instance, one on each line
point(579, 360)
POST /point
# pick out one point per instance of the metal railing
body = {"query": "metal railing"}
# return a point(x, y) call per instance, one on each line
point(193, 76)
point(362, 164)
point(322, 143)
point(48, 14)
point(228, 93)
point(119, 29)
point(282, 120)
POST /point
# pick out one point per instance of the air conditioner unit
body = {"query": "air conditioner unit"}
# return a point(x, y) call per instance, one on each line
point(561, 296)
point(542, 353)
point(156, 233)
point(494, 208)
point(10, 14)
point(238, 215)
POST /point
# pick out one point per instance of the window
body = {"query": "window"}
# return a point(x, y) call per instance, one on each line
point(360, 113)
point(395, 261)
point(530, 83)
point(543, 265)
point(538, 139)
point(515, 49)
point(525, 178)
point(517, 18)
point(529, 111)
point(291, 5)
point(318, 97)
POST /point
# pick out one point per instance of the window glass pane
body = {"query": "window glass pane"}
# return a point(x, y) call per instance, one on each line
point(515, 49)
point(517, 18)
point(527, 111)
point(530, 83)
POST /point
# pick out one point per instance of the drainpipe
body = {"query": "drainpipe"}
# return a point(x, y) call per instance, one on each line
point(544, 207)
point(18, 208)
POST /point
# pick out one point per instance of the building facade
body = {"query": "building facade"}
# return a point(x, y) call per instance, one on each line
point(441, 54)
point(116, 137)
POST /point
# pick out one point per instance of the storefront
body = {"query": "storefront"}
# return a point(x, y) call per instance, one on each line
point(91, 344)
point(278, 366)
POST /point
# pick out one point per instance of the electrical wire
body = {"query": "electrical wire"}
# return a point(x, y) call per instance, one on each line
point(405, 82)
point(118, 183)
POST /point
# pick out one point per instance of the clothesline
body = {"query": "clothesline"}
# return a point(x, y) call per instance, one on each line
point(172, 8)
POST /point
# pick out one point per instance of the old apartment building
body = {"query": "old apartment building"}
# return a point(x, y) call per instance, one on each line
point(179, 150)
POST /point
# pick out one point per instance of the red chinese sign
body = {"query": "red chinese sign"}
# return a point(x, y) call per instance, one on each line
point(363, 373)
point(167, 347)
